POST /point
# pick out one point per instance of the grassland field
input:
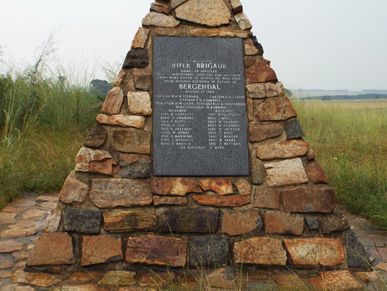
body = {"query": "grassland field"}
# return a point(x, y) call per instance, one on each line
point(43, 124)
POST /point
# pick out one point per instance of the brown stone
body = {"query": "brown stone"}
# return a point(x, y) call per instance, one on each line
point(97, 136)
point(109, 193)
point(139, 103)
point(157, 250)
point(223, 278)
point(210, 13)
point(19, 231)
point(113, 101)
point(260, 72)
point(309, 199)
point(83, 277)
point(54, 219)
point(4, 274)
point(167, 200)
point(283, 223)
point(143, 78)
point(52, 249)
point(73, 190)
point(7, 218)
point(6, 263)
point(175, 186)
point(100, 249)
point(122, 120)
point(160, 8)
point(316, 173)
point(243, 186)
point(266, 198)
point(260, 251)
point(257, 170)
point(9, 246)
point(250, 48)
point(95, 161)
point(175, 3)
point(276, 109)
point(315, 251)
point(218, 32)
point(262, 131)
point(288, 281)
point(332, 223)
point(155, 279)
point(286, 172)
point(131, 140)
point(222, 201)
point(282, 150)
point(133, 158)
point(118, 278)
point(129, 220)
point(240, 222)
point(243, 22)
point(35, 279)
point(336, 280)
point(221, 186)
point(140, 38)
point(160, 19)
point(86, 287)
point(256, 90)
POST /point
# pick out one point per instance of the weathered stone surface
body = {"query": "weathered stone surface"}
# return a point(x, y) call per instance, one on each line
point(266, 198)
point(52, 249)
point(275, 109)
point(156, 279)
point(332, 223)
point(218, 32)
point(175, 3)
point(21, 229)
point(160, 19)
point(287, 172)
point(274, 89)
point(222, 201)
point(6, 263)
point(168, 200)
point(113, 101)
point(7, 218)
point(187, 219)
point(109, 193)
point(53, 219)
point(293, 129)
point(34, 279)
point(257, 170)
point(100, 249)
point(175, 186)
point(136, 58)
point(357, 256)
point(129, 220)
point(122, 120)
point(82, 220)
point(211, 13)
point(262, 131)
point(118, 278)
point(223, 278)
point(221, 186)
point(283, 223)
point(260, 251)
point(315, 173)
point(139, 103)
point(10, 246)
point(313, 222)
point(83, 277)
point(236, 6)
point(160, 8)
point(288, 281)
point(263, 90)
point(315, 251)
point(140, 38)
point(308, 199)
point(157, 250)
point(336, 280)
point(96, 137)
point(134, 166)
point(131, 140)
point(208, 250)
point(240, 222)
point(143, 78)
point(94, 161)
point(73, 190)
point(260, 72)
point(4, 274)
point(243, 22)
point(250, 48)
point(243, 186)
point(282, 149)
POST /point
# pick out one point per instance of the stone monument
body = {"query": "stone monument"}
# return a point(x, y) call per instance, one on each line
point(197, 160)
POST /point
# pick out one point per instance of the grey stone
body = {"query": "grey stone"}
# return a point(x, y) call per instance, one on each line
point(332, 223)
point(82, 220)
point(136, 58)
point(188, 219)
point(208, 251)
point(293, 129)
point(313, 222)
point(257, 170)
point(138, 169)
point(357, 256)
point(200, 151)
point(97, 136)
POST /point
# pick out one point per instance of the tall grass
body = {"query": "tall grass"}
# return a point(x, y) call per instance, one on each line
point(350, 140)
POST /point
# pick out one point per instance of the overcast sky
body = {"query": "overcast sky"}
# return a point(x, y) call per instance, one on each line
point(319, 44)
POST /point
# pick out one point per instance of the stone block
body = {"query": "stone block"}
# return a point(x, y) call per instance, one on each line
point(113, 101)
point(293, 129)
point(207, 251)
point(140, 103)
point(118, 278)
point(169, 200)
point(275, 109)
point(131, 140)
point(282, 149)
point(136, 58)
point(160, 20)
point(333, 223)
point(96, 137)
point(286, 172)
point(110, 193)
point(250, 48)
point(94, 161)
point(122, 120)
point(134, 166)
point(236, 222)
point(223, 278)
point(100, 249)
point(260, 72)
point(357, 256)
point(283, 223)
point(140, 38)
point(73, 190)
point(160, 8)
point(265, 197)
point(336, 280)
point(81, 220)
point(175, 186)
point(257, 170)
point(221, 201)
point(157, 250)
point(129, 220)
point(243, 186)
point(243, 22)
point(221, 186)
point(263, 131)
point(236, 6)
point(315, 173)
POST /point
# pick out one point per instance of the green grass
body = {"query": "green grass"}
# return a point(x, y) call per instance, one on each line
point(350, 141)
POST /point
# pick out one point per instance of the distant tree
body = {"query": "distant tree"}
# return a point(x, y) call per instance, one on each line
point(100, 87)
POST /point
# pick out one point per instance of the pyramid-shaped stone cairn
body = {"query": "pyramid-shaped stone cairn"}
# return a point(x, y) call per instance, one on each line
point(114, 213)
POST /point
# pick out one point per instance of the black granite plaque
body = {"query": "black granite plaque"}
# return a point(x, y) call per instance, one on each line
point(199, 107)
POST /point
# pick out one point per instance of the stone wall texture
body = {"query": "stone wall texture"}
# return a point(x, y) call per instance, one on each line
point(115, 214)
